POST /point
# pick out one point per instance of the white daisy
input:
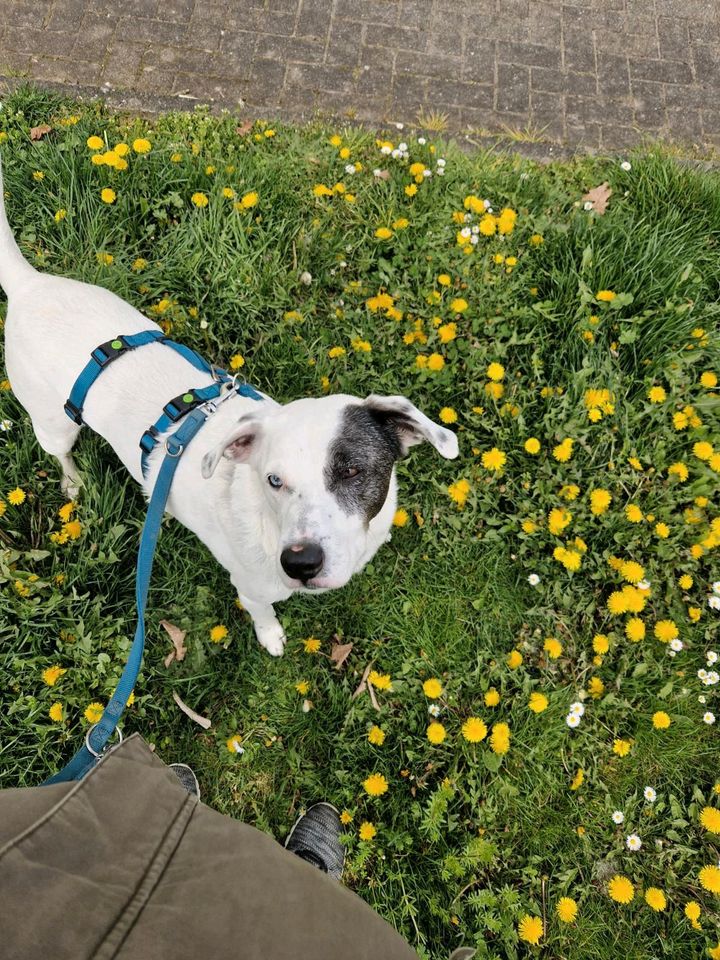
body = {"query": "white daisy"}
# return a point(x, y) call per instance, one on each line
point(650, 794)
point(709, 718)
point(533, 579)
point(711, 678)
point(716, 586)
point(577, 708)
point(434, 710)
point(572, 720)
point(633, 842)
point(711, 656)
point(714, 603)
point(625, 165)
point(644, 585)
point(676, 645)
point(618, 817)
point(422, 141)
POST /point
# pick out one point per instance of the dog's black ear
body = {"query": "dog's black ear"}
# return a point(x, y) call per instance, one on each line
point(411, 426)
point(236, 445)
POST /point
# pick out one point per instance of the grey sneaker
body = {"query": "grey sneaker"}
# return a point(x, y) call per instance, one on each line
point(187, 778)
point(316, 838)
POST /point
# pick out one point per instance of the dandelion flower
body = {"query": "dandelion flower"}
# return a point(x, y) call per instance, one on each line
point(52, 675)
point(621, 889)
point(567, 910)
point(710, 819)
point(532, 445)
point(381, 681)
point(375, 785)
point(552, 647)
point(400, 517)
point(494, 459)
point(376, 736)
point(432, 688)
point(108, 196)
point(665, 630)
point(661, 720)
point(141, 145)
point(56, 712)
point(600, 500)
point(218, 633)
point(538, 702)
point(474, 730)
point(200, 199)
point(655, 898)
point(656, 395)
point(367, 831)
point(492, 697)
point(311, 645)
point(530, 929)
point(514, 659)
point(709, 878)
point(234, 744)
point(93, 712)
point(16, 497)
point(436, 733)
point(500, 738)
point(692, 910)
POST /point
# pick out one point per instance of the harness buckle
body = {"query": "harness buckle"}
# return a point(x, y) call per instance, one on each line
point(177, 407)
point(108, 351)
point(75, 413)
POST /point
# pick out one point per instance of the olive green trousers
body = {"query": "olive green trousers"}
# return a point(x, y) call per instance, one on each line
point(126, 864)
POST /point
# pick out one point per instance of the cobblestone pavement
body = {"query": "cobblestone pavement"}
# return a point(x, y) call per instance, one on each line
point(590, 73)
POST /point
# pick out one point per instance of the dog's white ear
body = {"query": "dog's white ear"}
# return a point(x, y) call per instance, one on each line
point(236, 445)
point(411, 426)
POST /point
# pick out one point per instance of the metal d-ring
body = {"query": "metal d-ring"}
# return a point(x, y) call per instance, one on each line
point(95, 753)
point(169, 452)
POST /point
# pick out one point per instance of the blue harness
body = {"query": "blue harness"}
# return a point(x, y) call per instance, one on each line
point(193, 408)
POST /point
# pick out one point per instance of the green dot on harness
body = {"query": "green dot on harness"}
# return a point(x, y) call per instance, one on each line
point(188, 397)
point(116, 344)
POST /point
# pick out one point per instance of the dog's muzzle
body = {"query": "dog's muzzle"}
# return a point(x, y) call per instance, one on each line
point(302, 561)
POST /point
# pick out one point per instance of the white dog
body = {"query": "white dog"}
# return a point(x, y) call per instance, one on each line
point(287, 497)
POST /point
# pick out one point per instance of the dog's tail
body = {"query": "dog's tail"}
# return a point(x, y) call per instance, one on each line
point(14, 268)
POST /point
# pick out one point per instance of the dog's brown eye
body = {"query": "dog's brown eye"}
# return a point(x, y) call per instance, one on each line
point(350, 472)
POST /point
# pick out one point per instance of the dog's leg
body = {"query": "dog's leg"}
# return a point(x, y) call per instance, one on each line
point(59, 445)
point(267, 626)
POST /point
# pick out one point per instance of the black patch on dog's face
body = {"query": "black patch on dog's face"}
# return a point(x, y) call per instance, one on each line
point(366, 443)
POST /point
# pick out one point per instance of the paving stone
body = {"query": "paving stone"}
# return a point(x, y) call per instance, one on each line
point(591, 73)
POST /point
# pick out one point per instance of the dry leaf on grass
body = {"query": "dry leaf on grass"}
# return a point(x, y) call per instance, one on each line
point(382, 174)
point(244, 129)
point(177, 636)
point(37, 133)
point(599, 197)
point(339, 653)
point(362, 686)
point(203, 721)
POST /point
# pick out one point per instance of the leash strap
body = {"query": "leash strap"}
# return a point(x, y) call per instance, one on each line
point(107, 352)
point(99, 735)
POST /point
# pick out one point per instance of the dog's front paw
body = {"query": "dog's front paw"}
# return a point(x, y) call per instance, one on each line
point(272, 638)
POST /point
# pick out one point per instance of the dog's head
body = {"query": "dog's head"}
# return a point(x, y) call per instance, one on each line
point(326, 468)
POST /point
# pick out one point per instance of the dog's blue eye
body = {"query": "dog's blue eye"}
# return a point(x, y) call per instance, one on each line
point(274, 480)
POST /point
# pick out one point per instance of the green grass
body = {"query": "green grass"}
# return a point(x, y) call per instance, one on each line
point(468, 841)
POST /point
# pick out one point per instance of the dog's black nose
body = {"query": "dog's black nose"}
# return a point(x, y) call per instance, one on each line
point(302, 561)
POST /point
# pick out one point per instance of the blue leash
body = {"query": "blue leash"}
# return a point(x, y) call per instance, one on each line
point(193, 408)
point(99, 735)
